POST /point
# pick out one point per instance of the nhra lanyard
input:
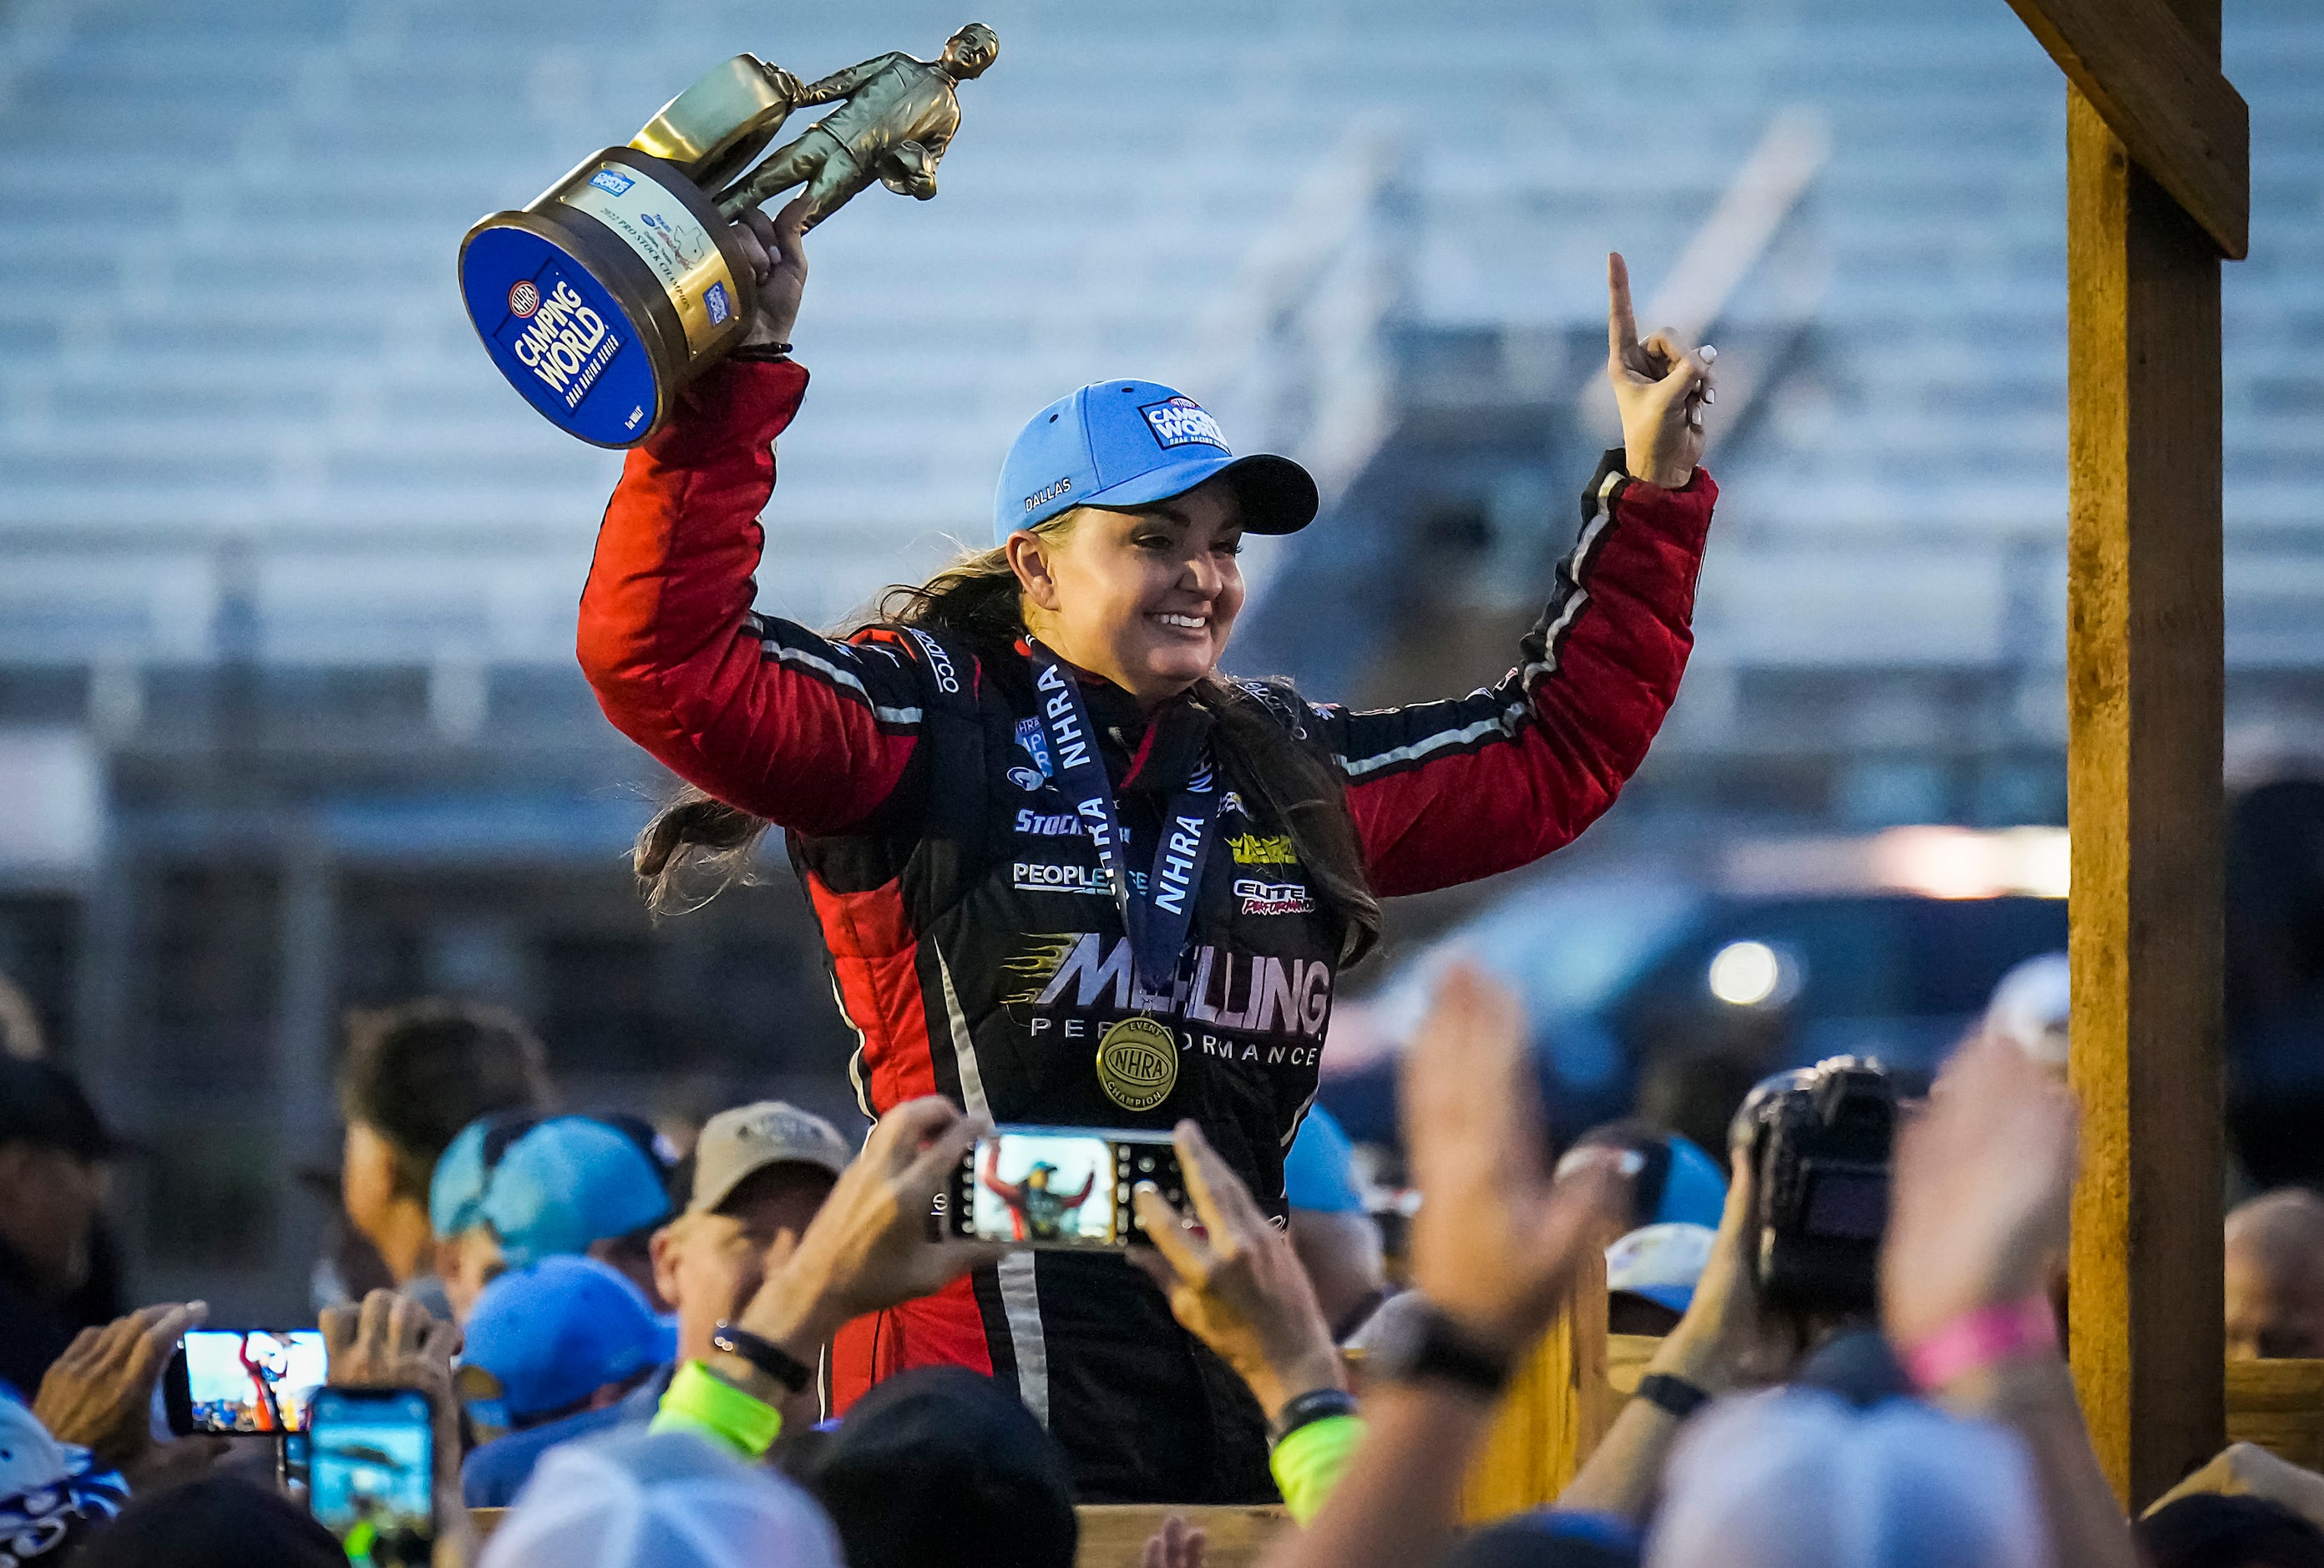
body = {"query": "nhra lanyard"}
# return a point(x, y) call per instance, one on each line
point(1156, 922)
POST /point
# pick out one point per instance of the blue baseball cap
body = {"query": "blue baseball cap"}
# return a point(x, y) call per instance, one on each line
point(569, 1181)
point(555, 1332)
point(1319, 1173)
point(1131, 443)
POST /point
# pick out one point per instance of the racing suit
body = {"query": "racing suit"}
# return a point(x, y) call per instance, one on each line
point(976, 946)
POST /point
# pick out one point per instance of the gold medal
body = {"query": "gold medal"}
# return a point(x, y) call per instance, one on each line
point(1137, 1062)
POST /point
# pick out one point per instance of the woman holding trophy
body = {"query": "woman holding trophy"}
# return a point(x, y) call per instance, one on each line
point(1044, 834)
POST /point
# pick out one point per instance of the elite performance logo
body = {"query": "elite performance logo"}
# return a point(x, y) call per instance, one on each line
point(1181, 421)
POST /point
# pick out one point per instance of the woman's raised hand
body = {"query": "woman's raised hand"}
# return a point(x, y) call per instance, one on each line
point(778, 252)
point(1660, 386)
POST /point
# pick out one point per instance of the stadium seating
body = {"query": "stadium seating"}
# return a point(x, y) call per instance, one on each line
point(229, 342)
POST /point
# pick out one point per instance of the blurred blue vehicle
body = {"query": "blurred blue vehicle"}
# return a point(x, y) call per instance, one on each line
point(1887, 946)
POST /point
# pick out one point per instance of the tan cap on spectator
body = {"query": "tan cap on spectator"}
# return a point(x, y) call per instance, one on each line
point(737, 1143)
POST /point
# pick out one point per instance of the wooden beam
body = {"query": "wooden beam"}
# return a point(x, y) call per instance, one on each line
point(2144, 670)
point(2158, 87)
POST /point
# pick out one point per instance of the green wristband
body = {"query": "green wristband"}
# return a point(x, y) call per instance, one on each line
point(701, 1401)
point(1308, 1463)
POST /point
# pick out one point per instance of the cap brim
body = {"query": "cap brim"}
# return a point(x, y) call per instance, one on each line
point(1277, 496)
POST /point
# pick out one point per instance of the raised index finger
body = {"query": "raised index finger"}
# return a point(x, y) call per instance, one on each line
point(1621, 324)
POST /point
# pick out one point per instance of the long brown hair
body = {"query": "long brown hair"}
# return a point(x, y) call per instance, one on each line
point(697, 841)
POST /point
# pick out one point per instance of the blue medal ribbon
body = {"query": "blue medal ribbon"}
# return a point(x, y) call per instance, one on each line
point(1157, 920)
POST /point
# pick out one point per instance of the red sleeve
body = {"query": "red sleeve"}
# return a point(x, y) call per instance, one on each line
point(1448, 792)
point(766, 716)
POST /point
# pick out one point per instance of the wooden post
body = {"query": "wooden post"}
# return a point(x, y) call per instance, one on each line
point(2144, 670)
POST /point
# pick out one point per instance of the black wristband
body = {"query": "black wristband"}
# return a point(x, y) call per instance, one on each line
point(1427, 1346)
point(764, 353)
point(1675, 1396)
point(1314, 1405)
point(766, 1355)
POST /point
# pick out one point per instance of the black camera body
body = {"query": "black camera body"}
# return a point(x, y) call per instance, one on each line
point(1819, 1139)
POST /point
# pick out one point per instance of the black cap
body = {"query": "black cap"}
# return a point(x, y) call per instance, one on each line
point(941, 1464)
point(40, 1102)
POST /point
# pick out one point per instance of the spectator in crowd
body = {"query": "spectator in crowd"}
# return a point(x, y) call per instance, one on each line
point(946, 1465)
point(213, 1522)
point(53, 1154)
point(412, 1077)
point(512, 1189)
point(761, 1173)
point(390, 1340)
point(2211, 1531)
point(20, 1035)
point(559, 1337)
point(1980, 1193)
point(2030, 1008)
point(2276, 1276)
point(664, 1499)
point(1337, 1241)
point(1676, 1197)
point(99, 1395)
point(53, 1495)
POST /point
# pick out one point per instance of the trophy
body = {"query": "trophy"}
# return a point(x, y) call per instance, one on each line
point(602, 299)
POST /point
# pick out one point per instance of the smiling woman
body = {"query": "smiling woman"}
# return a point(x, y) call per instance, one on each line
point(1041, 828)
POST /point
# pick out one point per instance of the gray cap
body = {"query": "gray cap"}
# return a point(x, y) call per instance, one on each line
point(631, 1498)
point(738, 1143)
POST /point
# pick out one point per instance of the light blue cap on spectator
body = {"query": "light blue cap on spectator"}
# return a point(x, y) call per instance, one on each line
point(568, 1182)
point(1319, 1173)
point(456, 1190)
point(1131, 443)
point(556, 1332)
point(1694, 1193)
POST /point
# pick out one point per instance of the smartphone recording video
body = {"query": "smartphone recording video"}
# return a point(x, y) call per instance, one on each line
point(372, 1474)
point(1060, 1186)
point(244, 1379)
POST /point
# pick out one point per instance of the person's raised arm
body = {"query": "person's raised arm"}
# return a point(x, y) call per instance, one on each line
point(1981, 1196)
point(764, 714)
point(392, 1341)
point(1446, 792)
point(867, 1247)
point(1728, 1340)
point(1494, 1250)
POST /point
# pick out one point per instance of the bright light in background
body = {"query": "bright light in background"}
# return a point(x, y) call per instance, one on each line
point(1960, 863)
point(1937, 863)
point(1746, 973)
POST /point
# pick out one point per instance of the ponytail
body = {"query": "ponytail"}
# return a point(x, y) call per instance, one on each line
point(975, 599)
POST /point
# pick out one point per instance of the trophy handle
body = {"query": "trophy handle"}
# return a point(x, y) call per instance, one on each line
point(714, 129)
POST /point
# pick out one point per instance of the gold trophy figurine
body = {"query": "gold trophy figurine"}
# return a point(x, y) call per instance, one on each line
point(615, 288)
point(899, 115)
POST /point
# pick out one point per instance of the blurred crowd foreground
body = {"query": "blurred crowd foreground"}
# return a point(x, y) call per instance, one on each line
point(616, 1340)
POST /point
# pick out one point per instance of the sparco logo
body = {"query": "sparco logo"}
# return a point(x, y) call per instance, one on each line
point(1181, 421)
point(939, 661)
point(1041, 877)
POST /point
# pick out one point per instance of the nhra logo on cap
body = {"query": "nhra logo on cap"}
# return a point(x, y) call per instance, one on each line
point(612, 181)
point(524, 299)
point(1181, 421)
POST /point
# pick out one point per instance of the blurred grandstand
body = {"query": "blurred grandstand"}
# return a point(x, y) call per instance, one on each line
point(289, 717)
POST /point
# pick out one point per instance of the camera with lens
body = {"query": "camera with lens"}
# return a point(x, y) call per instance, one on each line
point(1819, 1139)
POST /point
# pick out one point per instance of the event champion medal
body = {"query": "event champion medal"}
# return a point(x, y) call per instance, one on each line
point(1137, 1058)
point(627, 278)
point(1137, 1062)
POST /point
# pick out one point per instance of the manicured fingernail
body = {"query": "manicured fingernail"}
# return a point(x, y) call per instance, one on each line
point(1708, 353)
point(1709, 394)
